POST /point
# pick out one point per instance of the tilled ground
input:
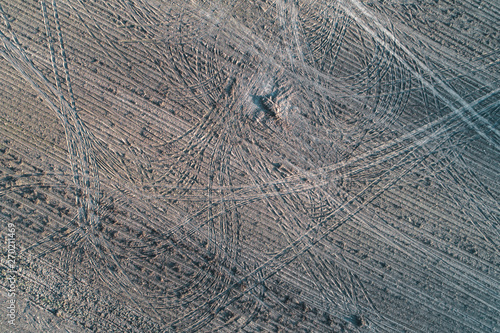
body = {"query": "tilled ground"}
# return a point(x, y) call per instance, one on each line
point(250, 166)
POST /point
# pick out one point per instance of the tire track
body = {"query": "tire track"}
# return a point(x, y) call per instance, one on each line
point(464, 105)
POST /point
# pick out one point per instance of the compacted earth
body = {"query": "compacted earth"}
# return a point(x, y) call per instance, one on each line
point(249, 166)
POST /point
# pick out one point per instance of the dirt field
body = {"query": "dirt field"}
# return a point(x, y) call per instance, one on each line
point(249, 166)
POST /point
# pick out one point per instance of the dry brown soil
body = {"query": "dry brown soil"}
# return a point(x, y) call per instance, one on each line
point(250, 165)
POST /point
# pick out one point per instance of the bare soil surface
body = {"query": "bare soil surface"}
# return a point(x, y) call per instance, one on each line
point(250, 166)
